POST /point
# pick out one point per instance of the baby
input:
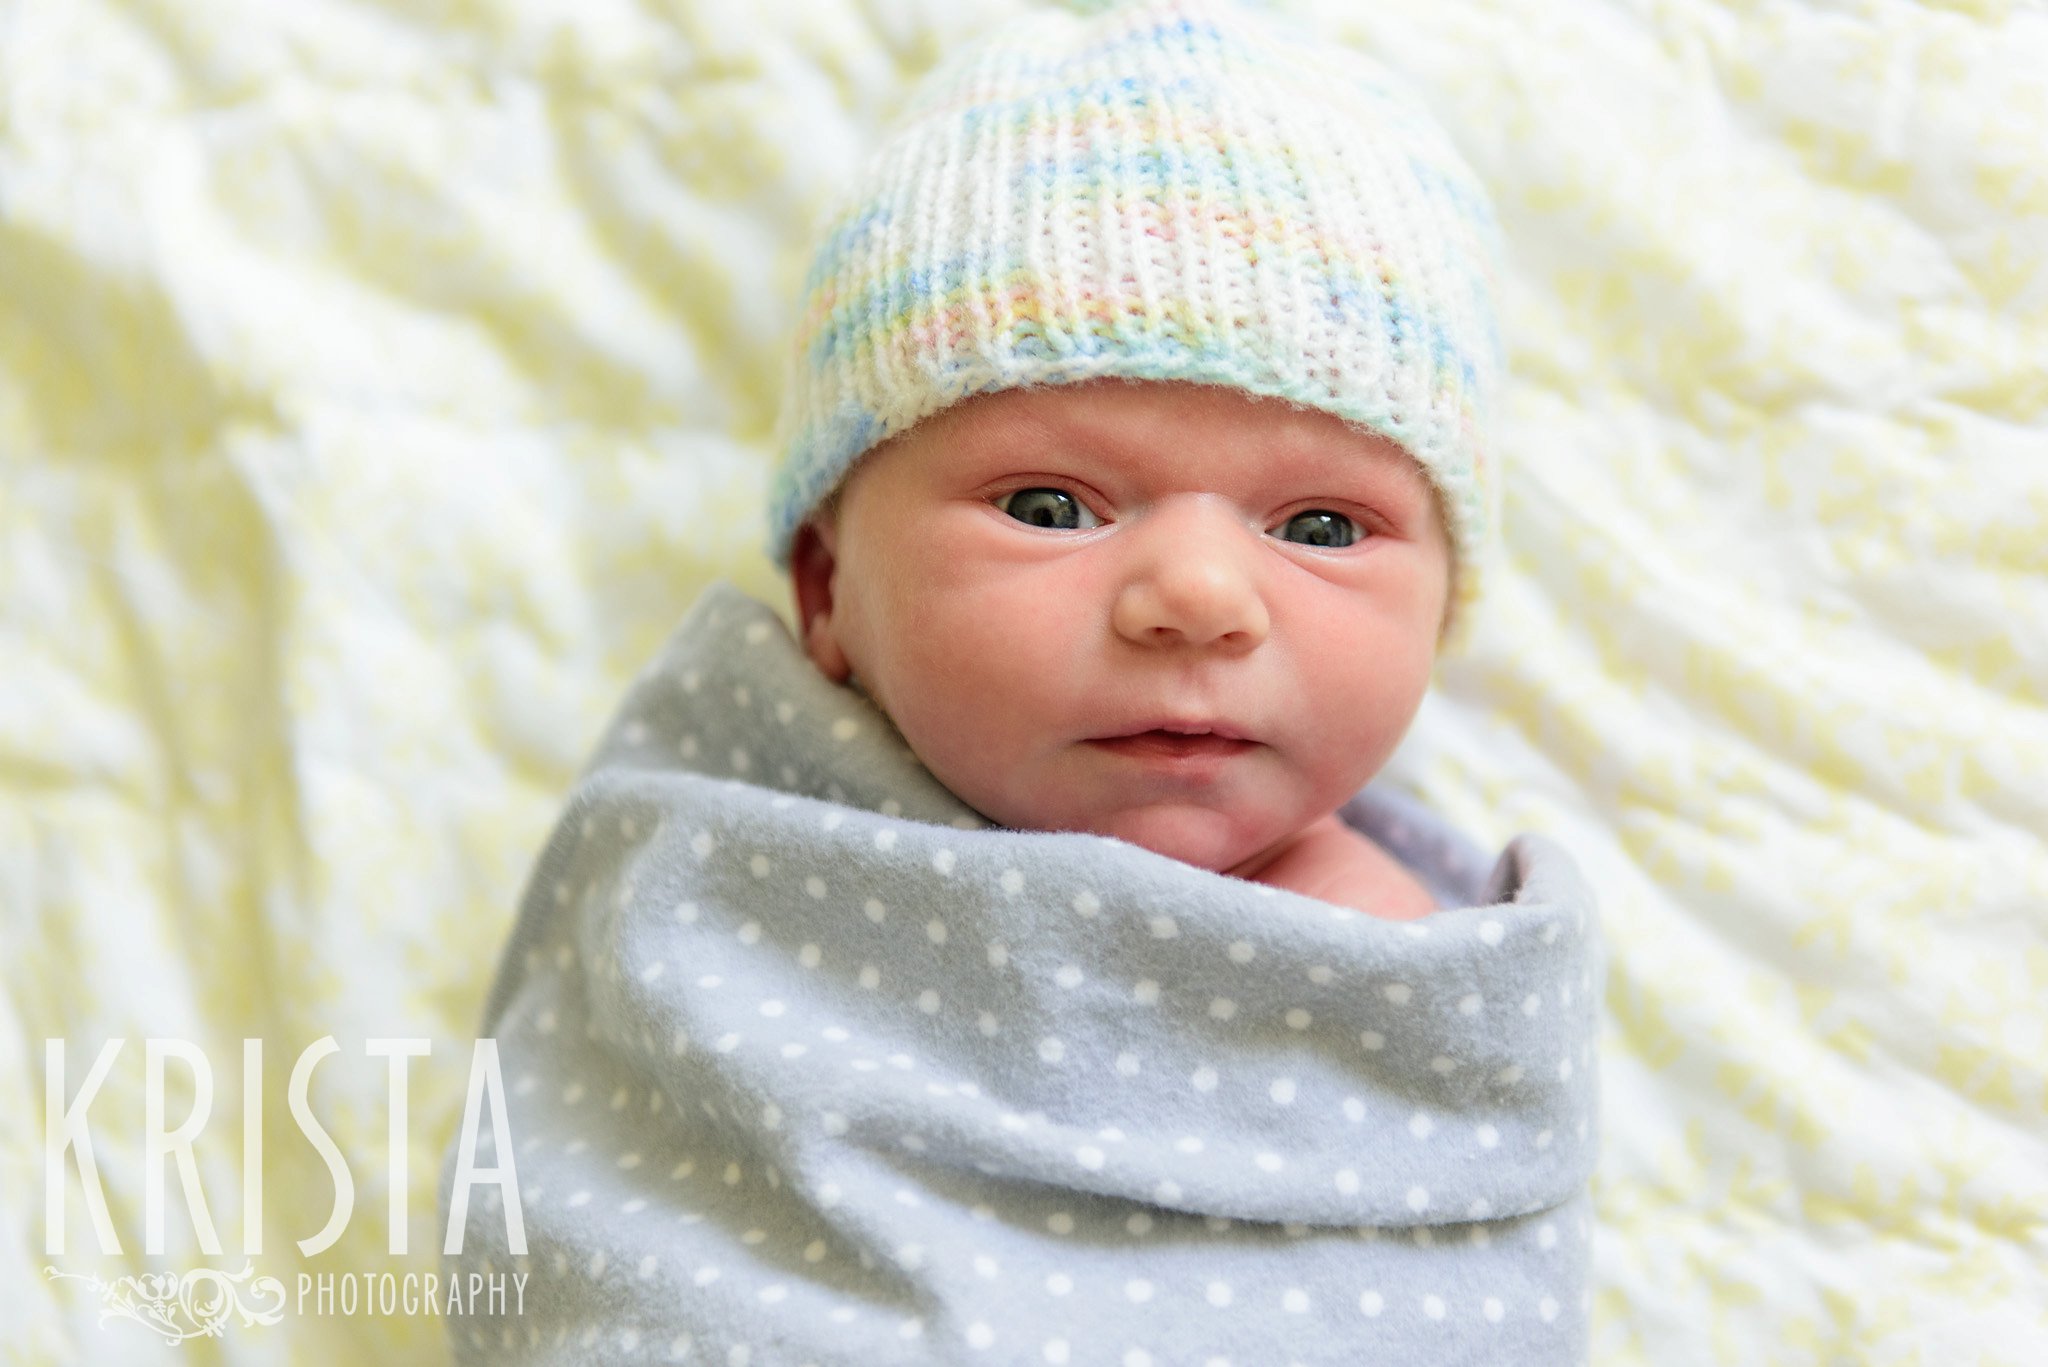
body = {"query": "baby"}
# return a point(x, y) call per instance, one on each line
point(1168, 613)
point(1135, 471)
point(1137, 453)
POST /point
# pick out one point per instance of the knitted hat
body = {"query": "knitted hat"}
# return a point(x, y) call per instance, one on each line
point(1160, 190)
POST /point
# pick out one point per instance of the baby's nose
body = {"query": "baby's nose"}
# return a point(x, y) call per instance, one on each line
point(1193, 580)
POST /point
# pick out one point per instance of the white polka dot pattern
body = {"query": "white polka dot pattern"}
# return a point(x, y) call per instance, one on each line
point(834, 1071)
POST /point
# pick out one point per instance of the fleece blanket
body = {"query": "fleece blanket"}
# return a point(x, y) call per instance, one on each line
point(810, 1063)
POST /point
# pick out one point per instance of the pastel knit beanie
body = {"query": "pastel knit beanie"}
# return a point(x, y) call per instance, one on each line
point(1159, 190)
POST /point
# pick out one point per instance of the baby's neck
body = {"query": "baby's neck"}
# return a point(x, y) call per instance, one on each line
point(1331, 862)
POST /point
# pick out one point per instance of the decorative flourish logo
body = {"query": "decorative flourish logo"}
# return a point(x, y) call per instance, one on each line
point(186, 1305)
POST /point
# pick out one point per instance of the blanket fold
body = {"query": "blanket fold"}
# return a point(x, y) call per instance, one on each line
point(809, 1063)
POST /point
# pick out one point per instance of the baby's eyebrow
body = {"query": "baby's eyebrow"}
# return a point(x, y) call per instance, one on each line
point(1027, 426)
point(1374, 467)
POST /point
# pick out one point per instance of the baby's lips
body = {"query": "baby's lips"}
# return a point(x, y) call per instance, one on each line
point(1180, 726)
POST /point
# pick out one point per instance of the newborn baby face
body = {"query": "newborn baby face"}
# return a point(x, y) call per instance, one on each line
point(1173, 614)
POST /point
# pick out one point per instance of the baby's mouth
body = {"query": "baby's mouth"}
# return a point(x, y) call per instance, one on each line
point(1164, 744)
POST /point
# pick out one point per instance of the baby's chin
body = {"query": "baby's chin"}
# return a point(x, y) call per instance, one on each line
point(1202, 836)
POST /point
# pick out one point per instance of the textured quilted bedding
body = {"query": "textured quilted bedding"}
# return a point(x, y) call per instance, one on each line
point(379, 382)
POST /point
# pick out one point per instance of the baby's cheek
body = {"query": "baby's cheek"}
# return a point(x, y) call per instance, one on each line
point(956, 714)
point(1350, 734)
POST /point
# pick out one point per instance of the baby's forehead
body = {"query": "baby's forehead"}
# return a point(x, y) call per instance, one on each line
point(1166, 426)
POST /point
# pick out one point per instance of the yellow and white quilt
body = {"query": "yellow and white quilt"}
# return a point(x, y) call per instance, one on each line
point(380, 381)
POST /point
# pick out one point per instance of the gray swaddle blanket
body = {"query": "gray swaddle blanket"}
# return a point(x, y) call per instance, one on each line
point(807, 1063)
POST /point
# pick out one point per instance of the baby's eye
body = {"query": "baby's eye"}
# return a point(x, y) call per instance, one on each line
point(1320, 527)
point(1055, 508)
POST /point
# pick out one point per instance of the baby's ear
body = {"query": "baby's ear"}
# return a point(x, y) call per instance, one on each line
point(812, 564)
